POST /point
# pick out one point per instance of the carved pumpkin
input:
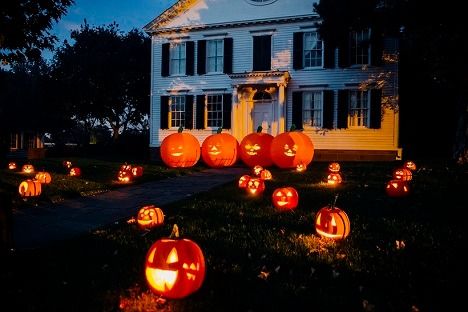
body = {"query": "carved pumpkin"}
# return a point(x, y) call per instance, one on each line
point(124, 176)
point(301, 167)
point(180, 150)
point(257, 170)
point(150, 216)
point(402, 174)
point(174, 268)
point(266, 175)
point(126, 167)
point(255, 186)
point(67, 164)
point(137, 171)
point(292, 148)
point(12, 165)
point(30, 188)
point(397, 188)
point(75, 172)
point(220, 150)
point(334, 167)
point(27, 168)
point(334, 178)
point(254, 149)
point(243, 181)
point(285, 198)
point(410, 165)
point(43, 177)
point(332, 222)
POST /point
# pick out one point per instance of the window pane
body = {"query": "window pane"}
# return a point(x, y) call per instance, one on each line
point(177, 58)
point(177, 110)
point(312, 108)
point(312, 53)
point(214, 108)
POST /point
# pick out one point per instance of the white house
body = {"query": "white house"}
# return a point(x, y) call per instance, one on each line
point(238, 64)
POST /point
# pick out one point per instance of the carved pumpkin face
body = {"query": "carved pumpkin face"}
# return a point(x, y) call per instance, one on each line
point(174, 268)
point(137, 171)
point(75, 172)
point(332, 223)
point(220, 150)
point(43, 177)
point(180, 150)
point(124, 176)
point(67, 164)
point(334, 167)
point(266, 175)
point(255, 186)
point(150, 216)
point(28, 168)
point(30, 188)
point(126, 167)
point(12, 166)
point(290, 149)
point(257, 170)
point(409, 165)
point(334, 178)
point(243, 181)
point(402, 174)
point(254, 149)
point(285, 198)
point(301, 167)
point(397, 188)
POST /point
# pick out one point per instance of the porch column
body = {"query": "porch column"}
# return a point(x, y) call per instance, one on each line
point(235, 131)
point(281, 108)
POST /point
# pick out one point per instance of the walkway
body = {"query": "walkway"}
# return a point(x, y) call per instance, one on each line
point(41, 226)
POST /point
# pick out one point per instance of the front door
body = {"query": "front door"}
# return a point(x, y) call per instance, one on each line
point(262, 115)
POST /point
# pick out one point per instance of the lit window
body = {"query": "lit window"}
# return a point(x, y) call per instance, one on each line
point(177, 58)
point(312, 108)
point(214, 56)
point(313, 49)
point(177, 111)
point(358, 109)
point(214, 110)
point(360, 47)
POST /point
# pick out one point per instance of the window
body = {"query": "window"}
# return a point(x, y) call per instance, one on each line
point(14, 141)
point(312, 108)
point(358, 113)
point(214, 56)
point(261, 53)
point(313, 50)
point(214, 110)
point(360, 47)
point(177, 58)
point(177, 111)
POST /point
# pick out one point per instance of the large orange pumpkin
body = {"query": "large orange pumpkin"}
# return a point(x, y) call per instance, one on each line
point(150, 216)
point(30, 188)
point(254, 149)
point(285, 198)
point(174, 268)
point(220, 150)
point(43, 177)
point(332, 222)
point(289, 149)
point(180, 150)
point(397, 188)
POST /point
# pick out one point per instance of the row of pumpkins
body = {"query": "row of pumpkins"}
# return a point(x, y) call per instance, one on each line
point(286, 150)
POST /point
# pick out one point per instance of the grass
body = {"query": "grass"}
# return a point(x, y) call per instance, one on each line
point(403, 254)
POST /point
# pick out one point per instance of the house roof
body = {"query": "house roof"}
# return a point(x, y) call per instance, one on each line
point(174, 10)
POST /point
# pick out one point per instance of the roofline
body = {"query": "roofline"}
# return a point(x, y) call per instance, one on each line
point(170, 12)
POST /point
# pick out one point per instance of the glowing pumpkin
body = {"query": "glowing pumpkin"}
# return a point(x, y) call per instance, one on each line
point(402, 174)
point(126, 167)
point(27, 168)
point(174, 268)
point(67, 164)
point(332, 222)
point(266, 175)
point(124, 176)
point(285, 198)
point(334, 178)
point(334, 167)
point(254, 149)
point(397, 188)
point(12, 165)
point(243, 181)
point(150, 216)
point(43, 177)
point(301, 167)
point(255, 186)
point(75, 172)
point(220, 150)
point(137, 171)
point(290, 149)
point(409, 165)
point(30, 188)
point(257, 170)
point(180, 150)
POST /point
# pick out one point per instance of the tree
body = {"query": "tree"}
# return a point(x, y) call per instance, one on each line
point(25, 26)
point(433, 80)
point(104, 77)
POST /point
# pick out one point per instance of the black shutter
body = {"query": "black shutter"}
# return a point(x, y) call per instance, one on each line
point(376, 47)
point(261, 53)
point(201, 57)
point(328, 56)
point(189, 112)
point(165, 60)
point(375, 109)
point(344, 53)
point(200, 113)
point(227, 108)
point(190, 56)
point(342, 122)
point(328, 109)
point(164, 117)
point(227, 62)
point(298, 46)
point(297, 110)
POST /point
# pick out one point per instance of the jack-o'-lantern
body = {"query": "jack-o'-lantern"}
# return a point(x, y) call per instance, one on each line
point(334, 167)
point(150, 216)
point(137, 171)
point(67, 164)
point(75, 172)
point(285, 198)
point(255, 186)
point(180, 150)
point(174, 268)
point(397, 188)
point(410, 165)
point(257, 170)
point(334, 178)
point(301, 167)
point(402, 174)
point(243, 181)
point(332, 222)
point(124, 176)
point(126, 167)
point(266, 174)
point(254, 149)
point(220, 150)
point(27, 168)
point(30, 188)
point(43, 177)
point(289, 149)
point(12, 165)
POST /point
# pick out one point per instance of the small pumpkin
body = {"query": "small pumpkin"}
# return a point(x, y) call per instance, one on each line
point(180, 150)
point(254, 149)
point(301, 167)
point(124, 176)
point(27, 168)
point(397, 188)
point(265, 174)
point(255, 186)
point(402, 174)
point(67, 164)
point(257, 169)
point(334, 178)
point(220, 150)
point(334, 167)
point(137, 171)
point(75, 172)
point(43, 177)
point(12, 165)
point(30, 188)
point(409, 164)
point(332, 222)
point(150, 216)
point(243, 181)
point(285, 198)
point(289, 149)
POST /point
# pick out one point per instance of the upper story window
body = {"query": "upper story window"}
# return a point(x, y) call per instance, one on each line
point(177, 111)
point(360, 47)
point(214, 110)
point(260, 2)
point(358, 112)
point(313, 50)
point(177, 58)
point(214, 56)
point(261, 53)
point(312, 108)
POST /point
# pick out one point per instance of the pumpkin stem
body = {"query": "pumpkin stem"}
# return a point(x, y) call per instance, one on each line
point(219, 130)
point(175, 232)
point(259, 129)
point(180, 129)
point(293, 127)
point(334, 201)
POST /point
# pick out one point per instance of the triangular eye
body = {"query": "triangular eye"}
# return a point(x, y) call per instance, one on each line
point(289, 194)
point(333, 222)
point(279, 193)
point(172, 257)
point(151, 256)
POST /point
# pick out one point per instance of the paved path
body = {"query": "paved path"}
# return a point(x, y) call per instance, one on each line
point(44, 225)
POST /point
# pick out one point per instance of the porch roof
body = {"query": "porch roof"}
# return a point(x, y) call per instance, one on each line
point(260, 78)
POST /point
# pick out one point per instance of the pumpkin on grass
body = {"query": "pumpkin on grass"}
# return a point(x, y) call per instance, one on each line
point(254, 149)
point(220, 150)
point(289, 149)
point(150, 216)
point(285, 198)
point(332, 222)
point(30, 188)
point(397, 188)
point(43, 177)
point(27, 168)
point(180, 150)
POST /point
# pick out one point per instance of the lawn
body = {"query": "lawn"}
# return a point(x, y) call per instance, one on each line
point(402, 254)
